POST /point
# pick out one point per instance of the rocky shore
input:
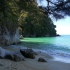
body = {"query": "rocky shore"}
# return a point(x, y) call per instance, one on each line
point(17, 58)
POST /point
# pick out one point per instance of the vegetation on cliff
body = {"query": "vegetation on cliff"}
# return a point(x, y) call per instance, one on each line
point(34, 22)
point(32, 19)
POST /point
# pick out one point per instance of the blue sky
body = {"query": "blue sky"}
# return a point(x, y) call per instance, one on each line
point(63, 26)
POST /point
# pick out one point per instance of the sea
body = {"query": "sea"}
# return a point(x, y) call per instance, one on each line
point(58, 47)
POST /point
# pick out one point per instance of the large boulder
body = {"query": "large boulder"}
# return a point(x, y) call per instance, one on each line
point(28, 53)
point(6, 54)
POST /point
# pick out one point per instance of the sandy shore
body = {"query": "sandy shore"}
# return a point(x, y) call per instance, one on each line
point(33, 64)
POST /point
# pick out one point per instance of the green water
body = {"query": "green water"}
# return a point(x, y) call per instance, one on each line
point(56, 46)
point(41, 40)
point(38, 43)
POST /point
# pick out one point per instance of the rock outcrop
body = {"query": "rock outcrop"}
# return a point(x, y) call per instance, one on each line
point(18, 56)
point(15, 56)
point(28, 53)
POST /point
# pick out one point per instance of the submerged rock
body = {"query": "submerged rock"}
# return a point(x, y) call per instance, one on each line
point(42, 60)
point(28, 53)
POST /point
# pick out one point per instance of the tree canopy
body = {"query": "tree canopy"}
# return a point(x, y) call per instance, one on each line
point(8, 17)
point(34, 22)
point(33, 19)
point(57, 8)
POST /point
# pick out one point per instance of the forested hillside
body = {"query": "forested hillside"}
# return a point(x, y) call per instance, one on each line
point(32, 20)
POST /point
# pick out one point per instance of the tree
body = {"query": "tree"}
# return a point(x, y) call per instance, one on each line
point(57, 8)
point(8, 22)
point(34, 22)
point(11, 12)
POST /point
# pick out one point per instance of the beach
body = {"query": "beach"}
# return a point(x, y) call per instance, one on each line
point(34, 64)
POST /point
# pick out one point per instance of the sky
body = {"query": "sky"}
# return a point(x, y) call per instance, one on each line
point(62, 25)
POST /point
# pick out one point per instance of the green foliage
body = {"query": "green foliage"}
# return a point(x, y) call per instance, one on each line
point(34, 23)
point(25, 12)
point(8, 17)
point(57, 8)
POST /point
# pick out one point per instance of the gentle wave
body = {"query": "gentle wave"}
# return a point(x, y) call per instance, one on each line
point(58, 47)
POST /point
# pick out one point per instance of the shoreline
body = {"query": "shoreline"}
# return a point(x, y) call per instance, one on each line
point(33, 64)
point(61, 57)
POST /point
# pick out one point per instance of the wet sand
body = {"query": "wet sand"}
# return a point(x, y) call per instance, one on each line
point(33, 64)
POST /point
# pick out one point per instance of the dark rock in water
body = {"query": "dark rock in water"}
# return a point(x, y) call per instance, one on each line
point(57, 35)
point(42, 60)
point(15, 56)
point(28, 53)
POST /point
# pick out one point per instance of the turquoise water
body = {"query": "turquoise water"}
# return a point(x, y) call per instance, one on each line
point(55, 46)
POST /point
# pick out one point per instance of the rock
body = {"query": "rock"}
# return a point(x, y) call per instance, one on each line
point(21, 36)
point(9, 56)
point(3, 53)
point(35, 53)
point(28, 53)
point(1, 65)
point(15, 56)
point(18, 56)
point(42, 60)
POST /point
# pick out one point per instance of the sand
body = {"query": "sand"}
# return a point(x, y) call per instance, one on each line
point(33, 64)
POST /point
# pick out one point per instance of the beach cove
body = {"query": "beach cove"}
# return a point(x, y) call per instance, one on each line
point(30, 64)
point(55, 50)
point(33, 64)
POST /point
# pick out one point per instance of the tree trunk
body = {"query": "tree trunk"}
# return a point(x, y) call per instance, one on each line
point(7, 38)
